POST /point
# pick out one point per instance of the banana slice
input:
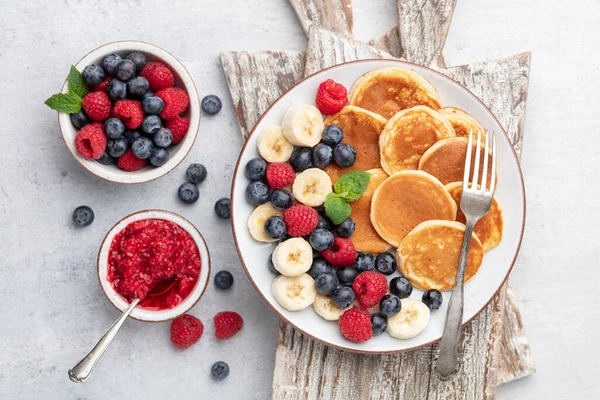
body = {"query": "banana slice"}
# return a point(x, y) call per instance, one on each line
point(294, 293)
point(325, 307)
point(256, 221)
point(410, 321)
point(311, 187)
point(293, 257)
point(303, 125)
point(273, 146)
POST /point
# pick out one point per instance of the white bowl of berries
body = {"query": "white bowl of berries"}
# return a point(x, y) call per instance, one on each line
point(129, 112)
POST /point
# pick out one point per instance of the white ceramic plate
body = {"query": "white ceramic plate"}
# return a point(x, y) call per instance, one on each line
point(479, 291)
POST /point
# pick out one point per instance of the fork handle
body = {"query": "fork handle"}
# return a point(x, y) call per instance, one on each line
point(447, 361)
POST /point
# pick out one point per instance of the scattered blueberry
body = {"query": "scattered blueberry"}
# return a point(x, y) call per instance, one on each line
point(322, 155)
point(223, 280)
point(138, 58)
point(219, 370)
point(142, 147)
point(346, 228)
point(159, 156)
point(333, 135)
point(106, 159)
point(325, 222)
point(342, 296)
point(301, 159)
point(255, 169)
point(83, 216)
point(272, 266)
point(211, 104)
point(282, 199)
point(385, 263)
point(117, 147)
point(196, 173)
point(347, 275)
point(114, 128)
point(364, 262)
point(116, 89)
point(151, 124)
point(110, 63)
point(319, 266)
point(138, 86)
point(257, 193)
point(79, 119)
point(401, 287)
point(275, 227)
point(223, 208)
point(149, 93)
point(432, 299)
point(132, 134)
point(378, 323)
point(152, 105)
point(125, 70)
point(326, 283)
point(344, 155)
point(188, 193)
point(163, 138)
point(390, 305)
point(284, 238)
point(321, 239)
point(93, 75)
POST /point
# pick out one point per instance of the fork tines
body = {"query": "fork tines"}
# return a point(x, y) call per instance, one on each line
point(476, 185)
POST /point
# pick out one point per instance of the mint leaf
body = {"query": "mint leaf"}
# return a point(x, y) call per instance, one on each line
point(336, 208)
point(352, 185)
point(64, 102)
point(75, 83)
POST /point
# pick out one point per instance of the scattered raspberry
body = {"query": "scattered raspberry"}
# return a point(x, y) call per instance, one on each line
point(90, 141)
point(176, 101)
point(331, 97)
point(300, 220)
point(97, 106)
point(185, 331)
point(130, 112)
point(341, 254)
point(129, 162)
point(355, 325)
point(369, 287)
point(179, 127)
point(101, 87)
point(159, 76)
point(227, 324)
point(279, 175)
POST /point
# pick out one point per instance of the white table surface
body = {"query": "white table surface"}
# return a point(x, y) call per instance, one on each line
point(53, 309)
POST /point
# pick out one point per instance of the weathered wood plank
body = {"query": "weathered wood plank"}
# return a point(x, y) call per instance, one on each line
point(388, 42)
point(333, 15)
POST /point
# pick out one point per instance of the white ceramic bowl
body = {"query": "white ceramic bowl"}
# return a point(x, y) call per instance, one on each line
point(479, 291)
point(176, 152)
point(148, 315)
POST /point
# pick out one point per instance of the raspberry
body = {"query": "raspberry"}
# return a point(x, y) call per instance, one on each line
point(130, 112)
point(227, 324)
point(331, 97)
point(158, 75)
point(101, 87)
point(129, 162)
point(176, 101)
point(369, 287)
point(341, 254)
point(90, 141)
point(279, 175)
point(179, 127)
point(185, 331)
point(300, 220)
point(355, 325)
point(97, 106)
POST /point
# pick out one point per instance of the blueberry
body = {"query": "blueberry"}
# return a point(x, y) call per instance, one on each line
point(142, 147)
point(347, 275)
point(219, 370)
point(282, 199)
point(106, 159)
point(326, 283)
point(385, 263)
point(333, 135)
point(223, 280)
point(152, 105)
point(149, 93)
point(378, 323)
point(196, 173)
point(272, 266)
point(275, 227)
point(322, 155)
point(223, 208)
point(321, 239)
point(346, 228)
point(188, 193)
point(116, 89)
point(364, 262)
point(211, 104)
point(132, 134)
point(83, 216)
point(342, 296)
point(344, 155)
point(401, 287)
point(110, 63)
point(255, 169)
point(125, 70)
point(390, 305)
point(257, 193)
point(138, 58)
point(117, 147)
point(79, 119)
point(301, 159)
point(319, 266)
point(93, 75)
point(432, 299)
point(151, 124)
point(137, 86)
point(114, 128)
point(324, 222)
point(163, 138)
point(159, 156)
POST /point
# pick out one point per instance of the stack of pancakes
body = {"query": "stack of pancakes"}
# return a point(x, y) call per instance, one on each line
point(415, 152)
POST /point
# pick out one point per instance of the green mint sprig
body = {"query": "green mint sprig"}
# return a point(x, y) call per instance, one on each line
point(349, 187)
point(69, 102)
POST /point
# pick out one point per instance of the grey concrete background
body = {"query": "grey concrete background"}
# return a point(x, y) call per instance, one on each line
point(52, 306)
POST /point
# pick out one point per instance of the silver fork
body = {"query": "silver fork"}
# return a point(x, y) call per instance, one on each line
point(475, 202)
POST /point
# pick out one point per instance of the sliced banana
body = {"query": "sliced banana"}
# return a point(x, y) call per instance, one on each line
point(294, 293)
point(293, 257)
point(273, 146)
point(256, 221)
point(410, 321)
point(303, 125)
point(325, 307)
point(311, 187)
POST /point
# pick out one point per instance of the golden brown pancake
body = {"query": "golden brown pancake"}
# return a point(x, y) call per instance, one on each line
point(489, 228)
point(408, 134)
point(365, 238)
point(461, 121)
point(388, 90)
point(361, 130)
point(428, 255)
point(406, 199)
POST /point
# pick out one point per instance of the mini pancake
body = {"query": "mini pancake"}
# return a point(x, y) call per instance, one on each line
point(365, 238)
point(386, 91)
point(446, 160)
point(406, 199)
point(408, 134)
point(428, 256)
point(489, 228)
point(361, 130)
point(461, 121)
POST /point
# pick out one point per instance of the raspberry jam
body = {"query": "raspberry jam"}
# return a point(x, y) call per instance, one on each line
point(154, 254)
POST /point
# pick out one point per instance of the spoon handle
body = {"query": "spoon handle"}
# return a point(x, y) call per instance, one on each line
point(83, 369)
